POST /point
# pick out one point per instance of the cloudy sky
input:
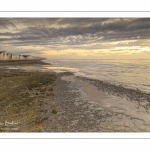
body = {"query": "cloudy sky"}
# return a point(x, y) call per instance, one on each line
point(77, 38)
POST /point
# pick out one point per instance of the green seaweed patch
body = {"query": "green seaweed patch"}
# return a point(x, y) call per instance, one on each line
point(39, 81)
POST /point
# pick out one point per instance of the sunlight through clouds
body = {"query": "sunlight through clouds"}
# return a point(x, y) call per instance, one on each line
point(76, 37)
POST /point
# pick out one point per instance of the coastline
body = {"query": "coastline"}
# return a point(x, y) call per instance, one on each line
point(83, 108)
point(22, 62)
point(39, 100)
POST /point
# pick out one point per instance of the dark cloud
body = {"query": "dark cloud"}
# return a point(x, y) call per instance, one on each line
point(72, 32)
point(6, 23)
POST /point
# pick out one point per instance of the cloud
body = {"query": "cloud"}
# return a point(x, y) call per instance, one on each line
point(75, 33)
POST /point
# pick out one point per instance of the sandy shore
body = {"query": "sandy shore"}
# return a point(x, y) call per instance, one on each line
point(34, 99)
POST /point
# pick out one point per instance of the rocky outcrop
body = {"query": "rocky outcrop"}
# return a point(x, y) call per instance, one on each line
point(21, 57)
point(15, 57)
point(9, 56)
point(5, 56)
point(28, 57)
point(1, 55)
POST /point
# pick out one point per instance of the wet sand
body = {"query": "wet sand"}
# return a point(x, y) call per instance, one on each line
point(137, 114)
point(83, 108)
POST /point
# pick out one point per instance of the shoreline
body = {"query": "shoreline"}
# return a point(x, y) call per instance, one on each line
point(95, 111)
point(22, 62)
point(48, 101)
point(134, 95)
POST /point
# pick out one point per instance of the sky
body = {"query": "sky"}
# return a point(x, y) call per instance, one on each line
point(77, 38)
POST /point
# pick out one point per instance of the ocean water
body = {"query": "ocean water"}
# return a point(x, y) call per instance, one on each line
point(133, 74)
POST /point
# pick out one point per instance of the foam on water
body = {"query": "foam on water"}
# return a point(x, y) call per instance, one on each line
point(62, 69)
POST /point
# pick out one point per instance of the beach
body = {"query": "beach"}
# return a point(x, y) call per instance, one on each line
point(35, 99)
point(22, 92)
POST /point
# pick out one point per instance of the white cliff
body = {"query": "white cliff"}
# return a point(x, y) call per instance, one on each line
point(21, 57)
point(5, 56)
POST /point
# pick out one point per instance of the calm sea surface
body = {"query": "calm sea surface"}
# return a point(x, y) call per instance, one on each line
point(128, 73)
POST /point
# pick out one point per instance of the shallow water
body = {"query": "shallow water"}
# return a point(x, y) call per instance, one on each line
point(133, 74)
point(109, 113)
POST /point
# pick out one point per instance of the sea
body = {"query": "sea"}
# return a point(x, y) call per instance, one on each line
point(134, 74)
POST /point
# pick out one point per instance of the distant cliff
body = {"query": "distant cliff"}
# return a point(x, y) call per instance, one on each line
point(5, 56)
